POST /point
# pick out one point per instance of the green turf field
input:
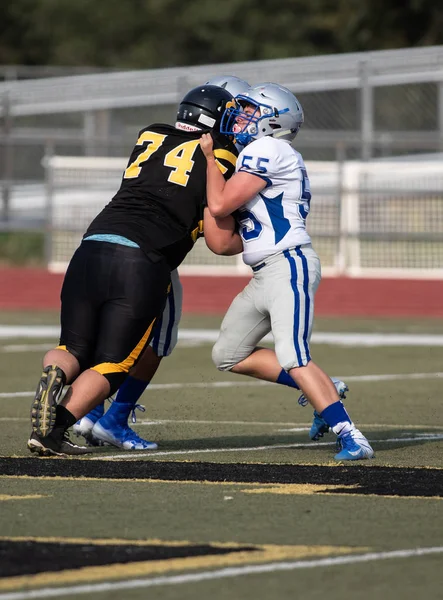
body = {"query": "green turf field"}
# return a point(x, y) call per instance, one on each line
point(237, 502)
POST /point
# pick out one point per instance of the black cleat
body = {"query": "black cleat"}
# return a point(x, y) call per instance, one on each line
point(51, 446)
point(43, 407)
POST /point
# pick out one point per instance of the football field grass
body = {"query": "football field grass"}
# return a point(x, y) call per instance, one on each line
point(237, 502)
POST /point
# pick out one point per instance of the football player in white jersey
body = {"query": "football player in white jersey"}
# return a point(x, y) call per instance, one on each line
point(112, 428)
point(270, 198)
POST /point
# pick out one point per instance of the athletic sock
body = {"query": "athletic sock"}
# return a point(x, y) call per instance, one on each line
point(64, 419)
point(131, 390)
point(285, 379)
point(337, 418)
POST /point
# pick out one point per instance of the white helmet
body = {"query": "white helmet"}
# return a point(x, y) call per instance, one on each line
point(234, 85)
point(277, 113)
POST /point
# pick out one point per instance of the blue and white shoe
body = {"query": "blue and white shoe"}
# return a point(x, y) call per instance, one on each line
point(319, 426)
point(113, 428)
point(353, 445)
point(84, 426)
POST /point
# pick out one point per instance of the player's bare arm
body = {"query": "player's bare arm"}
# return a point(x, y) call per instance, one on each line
point(220, 235)
point(226, 196)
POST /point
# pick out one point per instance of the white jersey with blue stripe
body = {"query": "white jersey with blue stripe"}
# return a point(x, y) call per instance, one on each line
point(275, 219)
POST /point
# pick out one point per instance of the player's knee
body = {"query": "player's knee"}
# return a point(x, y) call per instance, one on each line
point(221, 359)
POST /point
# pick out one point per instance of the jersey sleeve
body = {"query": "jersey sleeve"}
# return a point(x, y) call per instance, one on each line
point(259, 159)
point(226, 162)
point(225, 154)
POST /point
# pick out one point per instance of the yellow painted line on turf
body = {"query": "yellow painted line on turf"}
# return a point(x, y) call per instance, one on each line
point(127, 480)
point(112, 480)
point(117, 541)
point(272, 567)
point(261, 553)
point(311, 489)
point(5, 497)
point(284, 488)
point(296, 489)
point(300, 489)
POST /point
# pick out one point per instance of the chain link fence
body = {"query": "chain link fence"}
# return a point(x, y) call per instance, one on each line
point(377, 218)
point(365, 107)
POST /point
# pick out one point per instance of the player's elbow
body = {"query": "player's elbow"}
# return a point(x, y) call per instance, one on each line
point(217, 211)
point(218, 207)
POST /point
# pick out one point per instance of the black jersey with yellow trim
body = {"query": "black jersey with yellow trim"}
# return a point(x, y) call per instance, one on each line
point(162, 195)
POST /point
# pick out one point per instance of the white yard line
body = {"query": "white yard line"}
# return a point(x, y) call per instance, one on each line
point(27, 332)
point(292, 427)
point(138, 454)
point(300, 426)
point(257, 382)
point(12, 348)
point(209, 336)
point(153, 453)
point(272, 567)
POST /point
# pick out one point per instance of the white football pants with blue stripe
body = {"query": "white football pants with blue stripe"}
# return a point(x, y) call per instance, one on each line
point(278, 299)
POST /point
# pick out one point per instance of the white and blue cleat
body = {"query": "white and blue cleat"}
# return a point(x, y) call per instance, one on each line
point(112, 429)
point(122, 437)
point(84, 426)
point(353, 445)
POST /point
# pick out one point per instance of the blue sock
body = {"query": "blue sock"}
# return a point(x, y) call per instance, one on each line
point(97, 412)
point(285, 379)
point(131, 390)
point(335, 413)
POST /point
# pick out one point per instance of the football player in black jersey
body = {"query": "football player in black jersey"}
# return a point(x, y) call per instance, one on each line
point(112, 427)
point(118, 279)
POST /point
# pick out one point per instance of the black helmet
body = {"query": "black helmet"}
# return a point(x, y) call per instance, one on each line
point(202, 108)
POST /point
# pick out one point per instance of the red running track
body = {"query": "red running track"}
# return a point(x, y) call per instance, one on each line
point(36, 289)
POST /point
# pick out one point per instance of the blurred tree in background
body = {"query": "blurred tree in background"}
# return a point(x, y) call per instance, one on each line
point(131, 34)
